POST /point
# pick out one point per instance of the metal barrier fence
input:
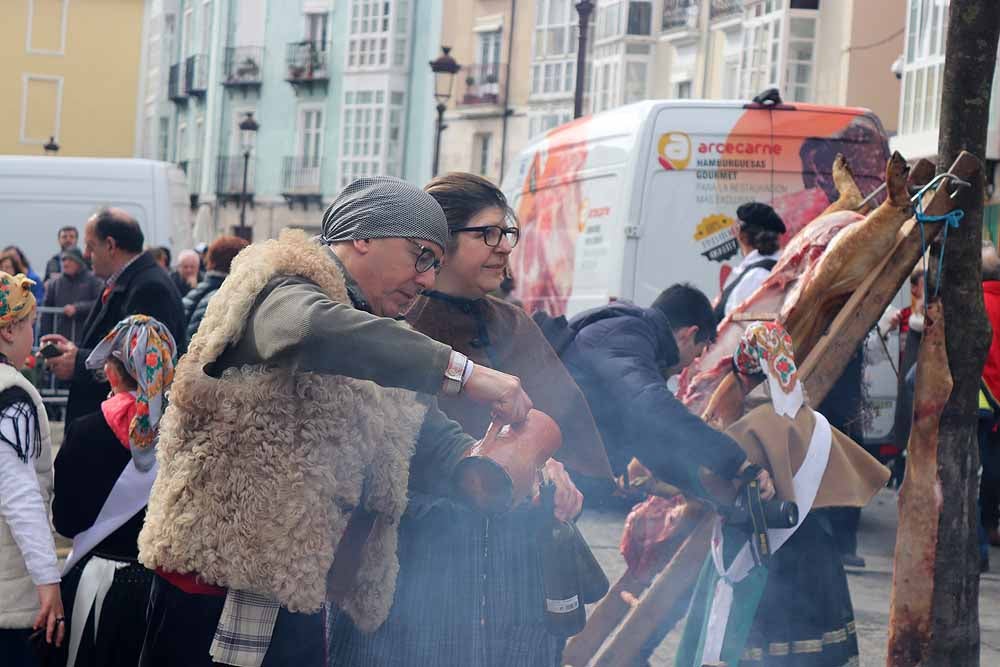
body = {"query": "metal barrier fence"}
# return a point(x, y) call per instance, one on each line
point(53, 391)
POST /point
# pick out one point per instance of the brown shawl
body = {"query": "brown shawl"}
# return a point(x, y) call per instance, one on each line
point(778, 443)
point(501, 336)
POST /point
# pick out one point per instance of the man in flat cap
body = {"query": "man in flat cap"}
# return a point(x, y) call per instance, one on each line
point(297, 418)
point(759, 239)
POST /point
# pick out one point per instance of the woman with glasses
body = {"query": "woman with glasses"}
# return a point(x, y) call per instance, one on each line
point(469, 591)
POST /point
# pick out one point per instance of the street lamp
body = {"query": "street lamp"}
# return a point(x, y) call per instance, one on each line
point(51, 147)
point(584, 9)
point(248, 131)
point(444, 69)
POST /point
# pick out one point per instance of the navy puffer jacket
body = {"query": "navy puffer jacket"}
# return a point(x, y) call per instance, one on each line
point(616, 358)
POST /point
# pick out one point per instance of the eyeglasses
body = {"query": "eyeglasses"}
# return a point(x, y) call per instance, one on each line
point(493, 233)
point(426, 260)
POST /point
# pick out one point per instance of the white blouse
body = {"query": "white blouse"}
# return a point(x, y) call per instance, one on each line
point(21, 502)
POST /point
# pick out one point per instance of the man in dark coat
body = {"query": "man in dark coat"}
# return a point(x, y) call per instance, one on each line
point(68, 237)
point(620, 357)
point(134, 285)
point(75, 290)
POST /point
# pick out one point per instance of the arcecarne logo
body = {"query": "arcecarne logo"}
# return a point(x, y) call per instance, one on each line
point(739, 148)
point(674, 150)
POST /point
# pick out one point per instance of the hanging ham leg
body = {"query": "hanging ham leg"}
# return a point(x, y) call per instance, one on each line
point(851, 257)
point(849, 194)
point(920, 503)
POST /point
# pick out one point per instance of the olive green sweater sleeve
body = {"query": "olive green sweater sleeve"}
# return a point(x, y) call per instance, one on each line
point(296, 325)
point(440, 447)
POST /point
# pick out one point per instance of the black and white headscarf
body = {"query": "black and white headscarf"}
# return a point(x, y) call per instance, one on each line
point(380, 207)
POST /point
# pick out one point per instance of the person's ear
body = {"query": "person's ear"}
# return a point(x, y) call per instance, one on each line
point(363, 246)
point(7, 333)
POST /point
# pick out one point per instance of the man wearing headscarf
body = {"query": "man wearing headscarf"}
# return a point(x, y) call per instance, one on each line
point(763, 604)
point(286, 450)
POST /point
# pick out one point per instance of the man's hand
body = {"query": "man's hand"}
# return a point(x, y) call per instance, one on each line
point(764, 477)
point(51, 615)
point(69, 310)
point(568, 499)
point(503, 391)
point(63, 365)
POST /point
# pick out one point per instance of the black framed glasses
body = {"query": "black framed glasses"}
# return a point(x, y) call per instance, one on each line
point(493, 233)
point(426, 260)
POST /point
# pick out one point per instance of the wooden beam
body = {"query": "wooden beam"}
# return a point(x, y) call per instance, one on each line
point(834, 350)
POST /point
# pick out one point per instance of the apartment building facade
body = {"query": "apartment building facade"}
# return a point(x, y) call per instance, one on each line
point(59, 81)
point(338, 90)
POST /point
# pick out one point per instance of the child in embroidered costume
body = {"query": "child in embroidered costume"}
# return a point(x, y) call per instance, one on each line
point(104, 471)
point(794, 608)
point(29, 588)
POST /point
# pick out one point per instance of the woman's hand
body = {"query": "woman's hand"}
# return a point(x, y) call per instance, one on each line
point(51, 616)
point(568, 499)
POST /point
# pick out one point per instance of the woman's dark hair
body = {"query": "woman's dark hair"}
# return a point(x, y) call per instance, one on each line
point(158, 253)
point(463, 196)
point(15, 256)
point(122, 228)
point(764, 241)
point(127, 379)
point(222, 252)
point(685, 306)
point(22, 259)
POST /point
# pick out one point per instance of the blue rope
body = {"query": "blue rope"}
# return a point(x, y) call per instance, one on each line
point(950, 219)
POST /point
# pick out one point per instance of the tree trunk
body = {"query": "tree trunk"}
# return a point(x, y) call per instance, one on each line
point(970, 58)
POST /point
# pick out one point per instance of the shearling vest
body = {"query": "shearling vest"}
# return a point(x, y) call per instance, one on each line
point(18, 597)
point(261, 467)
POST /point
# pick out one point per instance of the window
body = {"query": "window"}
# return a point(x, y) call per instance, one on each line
point(640, 17)
point(378, 33)
point(635, 82)
point(488, 51)
point(771, 58)
point(482, 154)
point(206, 27)
point(682, 90)
point(371, 134)
point(316, 26)
point(163, 141)
point(186, 33)
point(554, 50)
point(310, 141)
point(926, 25)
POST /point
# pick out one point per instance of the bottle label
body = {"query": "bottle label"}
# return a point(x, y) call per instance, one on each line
point(562, 606)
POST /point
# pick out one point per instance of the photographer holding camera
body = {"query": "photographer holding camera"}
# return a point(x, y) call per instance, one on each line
point(773, 585)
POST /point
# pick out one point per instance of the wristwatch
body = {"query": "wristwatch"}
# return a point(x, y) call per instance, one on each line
point(454, 374)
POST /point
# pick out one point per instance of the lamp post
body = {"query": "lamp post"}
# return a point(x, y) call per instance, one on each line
point(444, 69)
point(248, 131)
point(584, 9)
point(51, 147)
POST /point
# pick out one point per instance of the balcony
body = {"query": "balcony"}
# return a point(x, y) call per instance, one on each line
point(229, 179)
point(242, 67)
point(680, 14)
point(176, 91)
point(192, 172)
point(307, 63)
point(483, 85)
point(196, 75)
point(725, 9)
point(302, 180)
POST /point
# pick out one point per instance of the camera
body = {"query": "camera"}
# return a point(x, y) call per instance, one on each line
point(776, 513)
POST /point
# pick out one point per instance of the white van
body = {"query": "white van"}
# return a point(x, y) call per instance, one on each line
point(38, 195)
point(621, 204)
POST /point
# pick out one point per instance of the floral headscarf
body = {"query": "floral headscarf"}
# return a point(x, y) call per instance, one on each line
point(147, 350)
point(767, 348)
point(16, 300)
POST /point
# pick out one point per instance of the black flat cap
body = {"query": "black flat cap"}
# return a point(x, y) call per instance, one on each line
point(762, 216)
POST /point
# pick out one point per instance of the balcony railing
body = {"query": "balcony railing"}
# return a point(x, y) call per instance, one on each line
point(196, 75)
point(175, 84)
point(724, 9)
point(302, 180)
point(680, 14)
point(483, 84)
point(229, 177)
point(307, 62)
point(243, 66)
